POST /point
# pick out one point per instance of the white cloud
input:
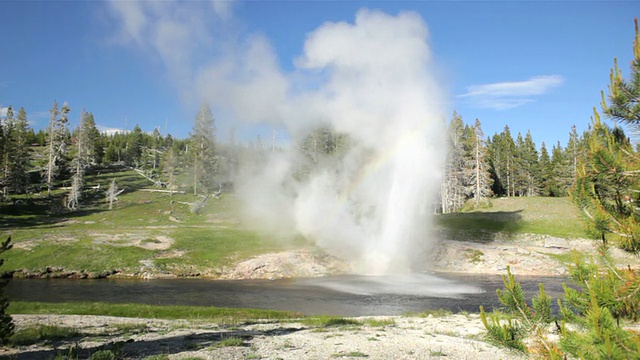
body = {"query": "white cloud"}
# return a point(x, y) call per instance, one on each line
point(508, 95)
point(3, 111)
point(111, 131)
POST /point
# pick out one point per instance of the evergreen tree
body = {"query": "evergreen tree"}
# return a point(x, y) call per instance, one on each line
point(20, 159)
point(624, 95)
point(6, 152)
point(477, 169)
point(16, 154)
point(520, 174)
point(607, 186)
point(453, 194)
point(502, 158)
point(529, 159)
point(573, 153)
point(608, 182)
point(203, 151)
point(83, 158)
point(562, 169)
point(134, 144)
point(92, 143)
point(547, 180)
point(494, 155)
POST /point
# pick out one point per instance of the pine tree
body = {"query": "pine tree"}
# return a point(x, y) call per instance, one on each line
point(134, 145)
point(607, 184)
point(453, 194)
point(20, 153)
point(83, 157)
point(93, 141)
point(608, 181)
point(502, 158)
point(203, 151)
point(547, 179)
point(624, 95)
point(530, 161)
point(6, 152)
point(478, 176)
point(573, 153)
point(562, 171)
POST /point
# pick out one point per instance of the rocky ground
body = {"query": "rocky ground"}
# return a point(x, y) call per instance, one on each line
point(454, 337)
point(534, 255)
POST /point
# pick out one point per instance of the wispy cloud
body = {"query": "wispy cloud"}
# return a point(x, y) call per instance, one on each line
point(3, 111)
point(508, 95)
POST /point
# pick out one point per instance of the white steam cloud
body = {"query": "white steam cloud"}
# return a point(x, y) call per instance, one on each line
point(371, 80)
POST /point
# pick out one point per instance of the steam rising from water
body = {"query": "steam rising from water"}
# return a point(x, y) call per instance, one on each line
point(409, 284)
point(371, 80)
point(371, 208)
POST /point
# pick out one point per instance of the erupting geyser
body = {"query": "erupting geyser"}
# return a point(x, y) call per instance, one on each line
point(373, 81)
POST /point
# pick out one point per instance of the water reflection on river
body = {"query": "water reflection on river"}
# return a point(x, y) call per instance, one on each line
point(348, 295)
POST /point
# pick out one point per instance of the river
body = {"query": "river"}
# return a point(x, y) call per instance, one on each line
point(347, 295)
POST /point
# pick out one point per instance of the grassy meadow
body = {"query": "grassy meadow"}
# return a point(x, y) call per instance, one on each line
point(145, 231)
point(510, 217)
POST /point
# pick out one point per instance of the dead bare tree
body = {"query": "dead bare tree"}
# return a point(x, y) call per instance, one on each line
point(112, 193)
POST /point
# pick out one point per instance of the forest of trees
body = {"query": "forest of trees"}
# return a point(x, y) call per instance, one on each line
point(480, 167)
point(32, 162)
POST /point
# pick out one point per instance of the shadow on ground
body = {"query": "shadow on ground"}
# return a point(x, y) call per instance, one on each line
point(479, 226)
point(141, 349)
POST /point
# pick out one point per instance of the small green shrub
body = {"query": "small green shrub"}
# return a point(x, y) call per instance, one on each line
point(380, 322)
point(230, 342)
point(104, 355)
point(323, 321)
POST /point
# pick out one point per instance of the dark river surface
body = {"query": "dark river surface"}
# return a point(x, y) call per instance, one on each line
point(347, 295)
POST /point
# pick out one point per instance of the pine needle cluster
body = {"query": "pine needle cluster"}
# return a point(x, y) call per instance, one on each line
point(591, 319)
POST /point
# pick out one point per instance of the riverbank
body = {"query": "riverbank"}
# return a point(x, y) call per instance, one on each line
point(458, 336)
point(525, 254)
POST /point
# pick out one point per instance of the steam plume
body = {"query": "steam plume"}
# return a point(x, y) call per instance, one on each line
point(371, 80)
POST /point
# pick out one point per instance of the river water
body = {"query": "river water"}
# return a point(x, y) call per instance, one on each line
point(347, 295)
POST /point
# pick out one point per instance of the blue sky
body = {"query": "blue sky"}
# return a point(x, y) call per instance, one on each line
point(532, 65)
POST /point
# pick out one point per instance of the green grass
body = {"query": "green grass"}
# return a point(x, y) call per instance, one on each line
point(35, 334)
point(75, 241)
point(329, 321)
point(213, 314)
point(229, 342)
point(379, 323)
point(509, 217)
point(352, 354)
